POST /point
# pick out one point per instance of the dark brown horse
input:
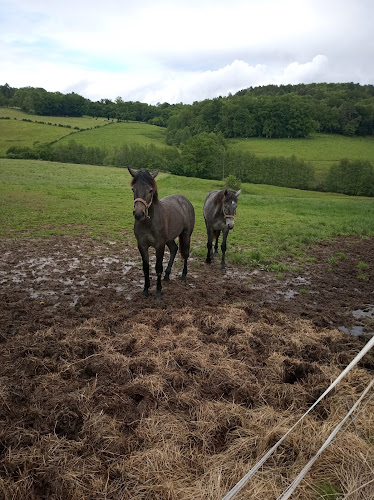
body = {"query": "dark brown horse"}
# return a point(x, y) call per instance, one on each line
point(219, 214)
point(158, 223)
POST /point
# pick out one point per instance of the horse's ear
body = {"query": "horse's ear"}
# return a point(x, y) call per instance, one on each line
point(132, 172)
point(155, 173)
point(225, 192)
point(238, 193)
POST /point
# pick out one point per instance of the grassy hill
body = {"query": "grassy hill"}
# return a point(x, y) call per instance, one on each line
point(81, 122)
point(16, 132)
point(118, 134)
point(39, 199)
point(321, 150)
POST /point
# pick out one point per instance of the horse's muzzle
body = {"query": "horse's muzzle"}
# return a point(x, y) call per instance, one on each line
point(139, 215)
point(230, 223)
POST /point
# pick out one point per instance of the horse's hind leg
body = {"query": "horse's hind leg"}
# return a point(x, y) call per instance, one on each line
point(173, 247)
point(184, 244)
point(159, 268)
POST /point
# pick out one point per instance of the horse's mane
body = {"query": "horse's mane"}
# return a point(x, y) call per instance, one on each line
point(145, 178)
point(227, 194)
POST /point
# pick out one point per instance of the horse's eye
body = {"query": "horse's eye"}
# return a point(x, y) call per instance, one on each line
point(151, 190)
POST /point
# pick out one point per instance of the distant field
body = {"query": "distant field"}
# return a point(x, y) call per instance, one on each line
point(15, 132)
point(320, 149)
point(18, 133)
point(82, 122)
point(43, 198)
point(118, 134)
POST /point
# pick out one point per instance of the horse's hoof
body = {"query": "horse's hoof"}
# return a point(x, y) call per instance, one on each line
point(208, 261)
point(145, 293)
point(223, 270)
point(166, 278)
point(158, 296)
point(183, 279)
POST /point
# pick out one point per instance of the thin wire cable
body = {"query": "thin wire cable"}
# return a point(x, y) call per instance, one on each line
point(240, 484)
point(291, 488)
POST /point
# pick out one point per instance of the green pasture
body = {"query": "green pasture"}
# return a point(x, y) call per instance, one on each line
point(321, 150)
point(41, 199)
point(81, 122)
point(118, 134)
point(18, 133)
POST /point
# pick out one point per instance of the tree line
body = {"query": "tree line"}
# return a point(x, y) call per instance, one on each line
point(206, 156)
point(267, 111)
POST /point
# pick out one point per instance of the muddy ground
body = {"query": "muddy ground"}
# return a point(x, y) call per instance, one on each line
point(97, 382)
point(65, 281)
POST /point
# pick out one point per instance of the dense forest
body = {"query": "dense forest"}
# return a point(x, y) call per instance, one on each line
point(268, 111)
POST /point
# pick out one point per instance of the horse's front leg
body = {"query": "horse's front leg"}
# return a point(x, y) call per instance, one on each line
point(225, 233)
point(159, 258)
point(209, 244)
point(216, 233)
point(145, 258)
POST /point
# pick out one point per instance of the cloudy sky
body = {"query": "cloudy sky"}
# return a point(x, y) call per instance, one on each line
point(183, 51)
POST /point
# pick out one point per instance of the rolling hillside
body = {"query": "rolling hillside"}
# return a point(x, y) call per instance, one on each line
point(321, 150)
point(118, 134)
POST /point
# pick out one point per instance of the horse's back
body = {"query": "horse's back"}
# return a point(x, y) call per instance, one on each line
point(176, 207)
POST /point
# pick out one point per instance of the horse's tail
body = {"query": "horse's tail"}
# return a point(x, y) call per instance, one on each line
point(184, 244)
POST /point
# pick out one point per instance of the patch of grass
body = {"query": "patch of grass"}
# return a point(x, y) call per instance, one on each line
point(38, 199)
point(363, 277)
point(341, 256)
point(326, 491)
point(310, 259)
point(334, 259)
point(362, 265)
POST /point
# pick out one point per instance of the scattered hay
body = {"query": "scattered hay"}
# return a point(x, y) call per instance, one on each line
point(178, 405)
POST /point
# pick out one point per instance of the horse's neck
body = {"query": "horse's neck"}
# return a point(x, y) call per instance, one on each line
point(153, 209)
point(218, 204)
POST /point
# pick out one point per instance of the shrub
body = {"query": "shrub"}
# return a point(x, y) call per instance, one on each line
point(232, 182)
point(21, 152)
point(353, 177)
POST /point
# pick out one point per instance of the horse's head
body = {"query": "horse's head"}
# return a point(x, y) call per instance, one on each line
point(229, 204)
point(145, 192)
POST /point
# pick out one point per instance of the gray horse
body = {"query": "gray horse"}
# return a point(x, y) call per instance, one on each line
point(158, 223)
point(219, 214)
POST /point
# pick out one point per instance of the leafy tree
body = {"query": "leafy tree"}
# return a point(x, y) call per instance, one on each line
point(232, 182)
point(353, 177)
point(203, 156)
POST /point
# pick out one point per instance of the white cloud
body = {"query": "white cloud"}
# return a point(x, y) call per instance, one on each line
point(176, 51)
